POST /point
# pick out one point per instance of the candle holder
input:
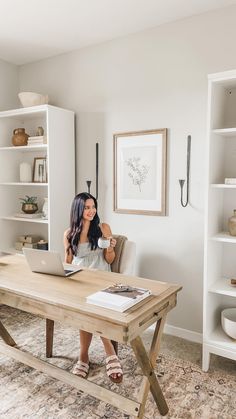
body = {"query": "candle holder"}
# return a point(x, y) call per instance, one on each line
point(88, 184)
point(182, 181)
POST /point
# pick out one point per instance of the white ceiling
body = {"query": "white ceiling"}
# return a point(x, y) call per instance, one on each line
point(31, 30)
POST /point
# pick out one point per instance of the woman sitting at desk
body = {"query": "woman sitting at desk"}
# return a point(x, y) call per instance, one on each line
point(81, 248)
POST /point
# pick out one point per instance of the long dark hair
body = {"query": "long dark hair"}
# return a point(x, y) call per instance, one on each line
point(76, 222)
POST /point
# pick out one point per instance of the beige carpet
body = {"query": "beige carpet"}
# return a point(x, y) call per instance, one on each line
point(26, 393)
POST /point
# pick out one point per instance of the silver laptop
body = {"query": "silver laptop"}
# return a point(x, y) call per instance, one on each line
point(47, 262)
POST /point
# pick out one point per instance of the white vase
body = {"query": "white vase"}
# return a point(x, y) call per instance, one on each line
point(45, 209)
point(25, 172)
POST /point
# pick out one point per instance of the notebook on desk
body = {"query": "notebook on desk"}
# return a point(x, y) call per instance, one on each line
point(118, 297)
point(48, 262)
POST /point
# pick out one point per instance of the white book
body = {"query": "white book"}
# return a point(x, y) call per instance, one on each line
point(36, 142)
point(37, 138)
point(24, 215)
point(230, 181)
point(117, 300)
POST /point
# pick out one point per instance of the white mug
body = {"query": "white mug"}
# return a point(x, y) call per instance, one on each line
point(103, 243)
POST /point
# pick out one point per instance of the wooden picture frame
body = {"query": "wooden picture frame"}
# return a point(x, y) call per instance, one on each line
point(140, 162)
point(40, 170)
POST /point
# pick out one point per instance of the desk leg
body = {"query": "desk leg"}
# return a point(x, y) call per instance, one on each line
point(146, 366)
point(49, 337)
point(6, 336)
point(156, 341)
point(115, 346)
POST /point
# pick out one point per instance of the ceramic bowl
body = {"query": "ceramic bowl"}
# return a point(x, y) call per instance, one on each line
point(32, 99)
point(228, 322)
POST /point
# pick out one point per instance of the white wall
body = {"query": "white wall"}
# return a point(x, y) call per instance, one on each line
point(154, 79)
point(9, 84)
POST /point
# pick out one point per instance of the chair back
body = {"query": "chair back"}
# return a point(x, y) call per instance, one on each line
point(124, 261)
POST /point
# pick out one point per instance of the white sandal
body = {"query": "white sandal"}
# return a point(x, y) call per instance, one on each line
point(114, 368)
point(81, 369)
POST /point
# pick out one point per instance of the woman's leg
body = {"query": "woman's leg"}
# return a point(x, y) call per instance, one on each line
point(81, 368)
point(85, 340)
point(109, 349)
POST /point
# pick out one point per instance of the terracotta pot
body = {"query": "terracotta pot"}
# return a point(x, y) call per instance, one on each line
point(20, 137)
point(29, 208)
point(232, 224)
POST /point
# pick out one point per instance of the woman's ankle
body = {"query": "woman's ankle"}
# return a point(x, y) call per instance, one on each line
point(84, 358)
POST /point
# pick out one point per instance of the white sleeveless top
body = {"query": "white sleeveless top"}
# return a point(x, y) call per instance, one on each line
point(88, 258)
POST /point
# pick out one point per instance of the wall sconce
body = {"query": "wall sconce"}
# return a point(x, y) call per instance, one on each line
point(182, 181)
point(88, 184)
point(89, 181)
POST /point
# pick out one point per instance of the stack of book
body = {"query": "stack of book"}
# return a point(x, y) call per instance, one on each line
point(37, 140)
point(118, 297)
point(27, 241)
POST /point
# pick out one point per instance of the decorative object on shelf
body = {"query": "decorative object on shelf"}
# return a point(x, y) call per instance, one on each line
point(228, 321)
point(32, 99)
point(42, 245)
point(29, 205)
point(39, 132)
point(45, 209)
point(20, 138)
point(40, 170)
point(182, 181)
point(140, 172)
point(233, 281)
point(25, 172)
point(232, 224)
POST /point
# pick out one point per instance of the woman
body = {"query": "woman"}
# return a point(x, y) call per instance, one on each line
point(81, 248)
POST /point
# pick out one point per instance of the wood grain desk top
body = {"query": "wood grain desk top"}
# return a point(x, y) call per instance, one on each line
point(71, 292)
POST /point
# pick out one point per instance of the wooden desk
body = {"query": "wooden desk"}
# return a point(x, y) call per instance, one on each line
point(64, 299)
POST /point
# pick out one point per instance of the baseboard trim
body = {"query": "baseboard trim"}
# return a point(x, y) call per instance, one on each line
point(182, 333)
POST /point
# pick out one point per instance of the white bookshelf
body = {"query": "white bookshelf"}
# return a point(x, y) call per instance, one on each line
point(25, 220)
point(220, 246)
point(222, 286)
point(222, 186)
point(59, 151)
point(25, 149)
point(225, 132)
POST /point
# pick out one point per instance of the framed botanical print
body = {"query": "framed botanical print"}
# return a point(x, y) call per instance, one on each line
point(140, 172)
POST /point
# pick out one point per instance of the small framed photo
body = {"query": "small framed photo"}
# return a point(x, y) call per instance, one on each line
point(140, 172)
point(40, 170)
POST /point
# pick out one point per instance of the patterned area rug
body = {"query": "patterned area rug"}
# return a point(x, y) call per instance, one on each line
point(26, 393)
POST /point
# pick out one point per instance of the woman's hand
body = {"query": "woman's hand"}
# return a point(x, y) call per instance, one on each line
point(110, 249)
point(112, 242)
point(109, 253)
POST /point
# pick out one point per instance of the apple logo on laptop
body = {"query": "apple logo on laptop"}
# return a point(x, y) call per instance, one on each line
point(43, 262)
